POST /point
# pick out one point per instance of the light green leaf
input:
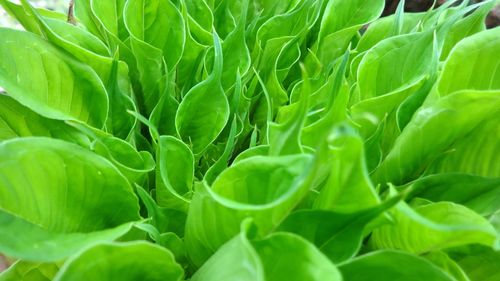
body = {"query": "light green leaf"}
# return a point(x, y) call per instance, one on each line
point(474, 54)
point(471, 24)
point(262, 187)
point(174, 173)
point(340, 23)
point(28, 271)
point(245, 262)
point(476, 153)
point(348, 188)
point(90, 50)
point(392, 265)
point(286, 256)
point(281, 256)
point(109, 14)
point(477, 193)
point(412, 152)
point(46, 226)
point(382, 29)
point(122, 261)
point(480, 263)
point(442, 260)
point(132, 164)
point(50, 82)
point(337, 235)
point(160, 24)
point(17, 120)
point(204, 111)
point(434, 226)
point(406, 59)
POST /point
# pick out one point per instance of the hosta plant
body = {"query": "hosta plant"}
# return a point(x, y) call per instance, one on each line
point(250, 140)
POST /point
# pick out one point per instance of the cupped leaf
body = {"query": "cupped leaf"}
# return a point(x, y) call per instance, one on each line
point(442, 260)
point(262, 187)
point(123, 261)
point(348, 188)
point(50, 82)
point(204, 111)
point(175, 173)
point(392, 265)
point(89, 200)
point(132, 163)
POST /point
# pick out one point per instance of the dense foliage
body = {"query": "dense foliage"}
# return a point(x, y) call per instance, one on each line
point(250, 140)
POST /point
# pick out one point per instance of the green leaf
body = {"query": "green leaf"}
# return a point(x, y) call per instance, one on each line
point(175, 173)
point(261, 187)
point(28, 271)
point(341, 14)
point(382, 29)
point(17, 120)
point(348, 188)
point(50, 82)
point(110, 15)
point(412, 152)
point(286, 256)
point(235, 50)
point(90, 50)
point(434, 226)
point(442, 260)
point(87, 17)
point(480, 263)
point(204, 111)
point(89, 200)
point(158, 23)
point(284, 138)
point(281, 256)
point(245, 262)
point(391, 265)
point(471, 24)
point(340, 23)
point(405, 58)
point(474, 54)
point(124, 261)
point(477, 193)
point(474, 153)
point(132, 164)
point(338, 235)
